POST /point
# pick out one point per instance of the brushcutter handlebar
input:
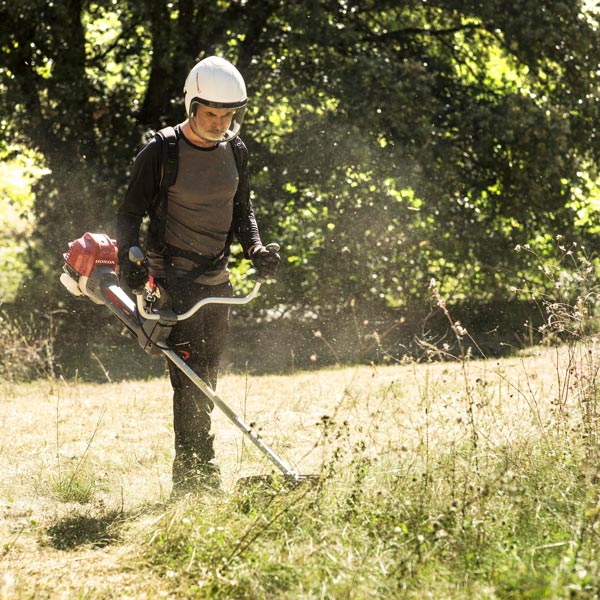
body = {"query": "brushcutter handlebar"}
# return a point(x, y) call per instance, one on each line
point(156, 316)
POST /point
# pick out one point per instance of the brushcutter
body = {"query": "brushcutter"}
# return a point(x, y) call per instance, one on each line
point(90, 270)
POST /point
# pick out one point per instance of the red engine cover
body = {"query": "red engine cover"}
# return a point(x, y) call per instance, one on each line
point(91, 250)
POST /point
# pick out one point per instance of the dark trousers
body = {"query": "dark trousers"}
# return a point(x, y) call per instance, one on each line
point(199, 340)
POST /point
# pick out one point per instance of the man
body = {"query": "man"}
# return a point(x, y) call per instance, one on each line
point(190, 232)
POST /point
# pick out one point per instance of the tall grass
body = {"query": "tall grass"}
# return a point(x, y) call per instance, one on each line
point(418, 511)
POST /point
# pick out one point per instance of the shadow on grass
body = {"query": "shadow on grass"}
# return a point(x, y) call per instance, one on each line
point(74, 531)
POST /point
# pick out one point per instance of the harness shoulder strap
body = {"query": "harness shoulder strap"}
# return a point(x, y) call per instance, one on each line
point(170, 159)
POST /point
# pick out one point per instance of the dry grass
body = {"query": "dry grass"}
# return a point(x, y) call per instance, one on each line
point(85, 469)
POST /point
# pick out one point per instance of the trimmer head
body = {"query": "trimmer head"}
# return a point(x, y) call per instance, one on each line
point(256, 491)
point(277, 483)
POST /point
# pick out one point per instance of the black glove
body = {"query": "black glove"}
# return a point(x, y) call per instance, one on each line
point(265, 260)
point(134, 273)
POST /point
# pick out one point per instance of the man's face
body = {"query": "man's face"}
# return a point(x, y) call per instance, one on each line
point(212, 123)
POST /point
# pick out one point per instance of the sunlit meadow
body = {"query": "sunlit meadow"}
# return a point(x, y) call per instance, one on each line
point(465, 479)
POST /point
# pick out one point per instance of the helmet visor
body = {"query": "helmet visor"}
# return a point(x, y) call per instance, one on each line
point(216, 122)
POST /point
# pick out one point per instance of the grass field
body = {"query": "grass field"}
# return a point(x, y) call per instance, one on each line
point(469, 479)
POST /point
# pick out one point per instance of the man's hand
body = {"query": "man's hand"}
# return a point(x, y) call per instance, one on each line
point(134, 272)
point(266, 260)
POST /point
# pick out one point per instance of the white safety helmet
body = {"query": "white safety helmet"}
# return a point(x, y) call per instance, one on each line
point(215, 82)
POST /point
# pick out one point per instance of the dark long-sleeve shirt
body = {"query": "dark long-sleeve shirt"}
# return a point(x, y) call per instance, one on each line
point(208, 206)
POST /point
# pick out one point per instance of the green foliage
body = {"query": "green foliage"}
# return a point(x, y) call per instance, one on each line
point(18, 172)
point(455, 113)
point(420, 140)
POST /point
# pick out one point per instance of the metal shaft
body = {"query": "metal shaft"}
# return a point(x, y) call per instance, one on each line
point(232, 416)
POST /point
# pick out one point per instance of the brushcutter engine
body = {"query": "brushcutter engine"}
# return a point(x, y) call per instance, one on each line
point(90, 265)
point(90, 270)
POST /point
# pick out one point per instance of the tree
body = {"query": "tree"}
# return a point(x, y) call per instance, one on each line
point(441, 135)
point(391, 142)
